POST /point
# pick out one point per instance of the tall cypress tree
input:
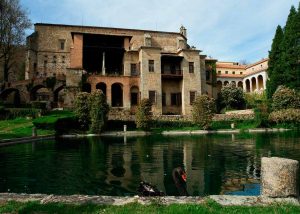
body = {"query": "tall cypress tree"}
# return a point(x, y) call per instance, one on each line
point(288, 47)
point(284, 60)
point(274, 59)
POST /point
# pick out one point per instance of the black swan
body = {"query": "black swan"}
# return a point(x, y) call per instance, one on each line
point(179, 178)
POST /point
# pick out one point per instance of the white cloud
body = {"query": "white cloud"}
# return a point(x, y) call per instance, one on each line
point(227, 30)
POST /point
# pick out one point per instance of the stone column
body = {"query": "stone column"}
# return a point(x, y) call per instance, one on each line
point(264, 81)
point(103, 64)
point(250, 80)
point(108, 94)
point(244, 86)
point(279, 177)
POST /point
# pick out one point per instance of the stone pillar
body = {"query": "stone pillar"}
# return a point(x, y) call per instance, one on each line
point(108, 94)
point(103, 64)
point(250, 80)
point(264, 81)
point(244, 86)
point(279, 177)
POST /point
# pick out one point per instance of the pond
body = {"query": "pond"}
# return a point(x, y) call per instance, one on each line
point(215, 164)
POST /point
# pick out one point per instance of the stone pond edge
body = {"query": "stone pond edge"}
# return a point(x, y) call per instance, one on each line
point(8, 142)
point(225, 200)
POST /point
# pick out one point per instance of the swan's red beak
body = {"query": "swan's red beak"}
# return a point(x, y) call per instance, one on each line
point(184, 176)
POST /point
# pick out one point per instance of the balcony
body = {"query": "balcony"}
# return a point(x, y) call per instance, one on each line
point(172, 74)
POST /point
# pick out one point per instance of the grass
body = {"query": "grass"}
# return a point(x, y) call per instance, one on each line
point(19, 127)
point(207, 207)
point(22, 127)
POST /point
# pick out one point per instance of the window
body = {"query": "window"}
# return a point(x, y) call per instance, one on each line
point(34, 67)
point(192, 97)
point(63, 59)
point(152, 97)
point(54, 59)
point(233, 72)
point(191, 67)
point(151, 65)
point(226, 72)
point(163, 97)
point(219, 72)
point(133, 69)
point(134, 98)
point(176, 99)
point(207, 75)
point(241, 72)
point(62, 44)
point(45, 65)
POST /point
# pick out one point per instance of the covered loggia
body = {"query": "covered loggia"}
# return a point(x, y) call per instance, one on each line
point(103, 54)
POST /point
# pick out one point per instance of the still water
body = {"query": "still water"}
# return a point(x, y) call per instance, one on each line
point(215, 164)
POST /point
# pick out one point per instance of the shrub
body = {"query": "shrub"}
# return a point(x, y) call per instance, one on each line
point(203, 111)
point(285, 116)
point(82, 109)
point(232, 97)
point(23, 112)
point(50, 120)
point(143, 115)
point(261, 115)
point(284, 98)
point(98, 111)
point(254, 99)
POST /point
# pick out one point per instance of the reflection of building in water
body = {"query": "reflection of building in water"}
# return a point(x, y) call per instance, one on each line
point(153, 171)
point(195, 175)
point(253, 167)
point(119, 167)
point(236, 184)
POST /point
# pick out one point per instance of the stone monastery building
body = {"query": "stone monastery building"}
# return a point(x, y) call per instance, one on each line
point(129, 65)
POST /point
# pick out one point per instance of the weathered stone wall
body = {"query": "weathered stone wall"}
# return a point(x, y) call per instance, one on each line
point(151, 81)
point(191, 81)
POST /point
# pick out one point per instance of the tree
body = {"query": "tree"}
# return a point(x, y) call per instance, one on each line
point(273, 64)
point(143, 115)
point(203, 111)
point(82, 109)
point(98, 111)
point(13, 23)
point(284, 64)
point(291, 50)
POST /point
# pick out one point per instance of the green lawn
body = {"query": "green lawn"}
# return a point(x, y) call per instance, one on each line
point(208, 207)
point(20, 127)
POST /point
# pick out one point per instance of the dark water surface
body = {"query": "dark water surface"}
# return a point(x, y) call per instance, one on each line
point(215, 164)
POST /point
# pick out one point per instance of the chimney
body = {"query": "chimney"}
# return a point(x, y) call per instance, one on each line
point(183, 31)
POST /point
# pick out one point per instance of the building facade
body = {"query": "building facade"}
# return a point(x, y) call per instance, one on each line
point(127, 65)
point(252, 77)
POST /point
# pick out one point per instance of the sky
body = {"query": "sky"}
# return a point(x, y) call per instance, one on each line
point(228, 30)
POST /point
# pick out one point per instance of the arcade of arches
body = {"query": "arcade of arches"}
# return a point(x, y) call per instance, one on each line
point(256, 83)
point(120, 92)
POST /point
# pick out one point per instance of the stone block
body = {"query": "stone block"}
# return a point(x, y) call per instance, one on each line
point(279, 177)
